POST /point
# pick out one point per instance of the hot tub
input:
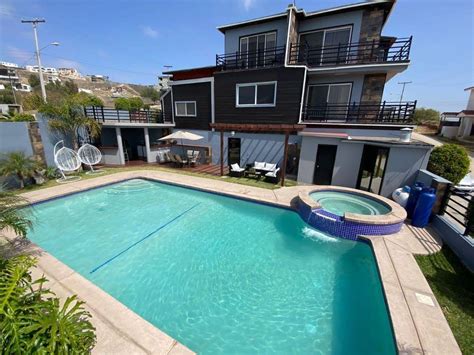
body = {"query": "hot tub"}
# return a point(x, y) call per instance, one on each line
point(350, 213)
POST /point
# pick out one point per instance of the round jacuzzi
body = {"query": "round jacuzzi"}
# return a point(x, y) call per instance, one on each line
point(350, 213)
point(340, 203)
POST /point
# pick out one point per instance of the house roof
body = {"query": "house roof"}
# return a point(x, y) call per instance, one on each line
point(449, 113)
point(302, 12)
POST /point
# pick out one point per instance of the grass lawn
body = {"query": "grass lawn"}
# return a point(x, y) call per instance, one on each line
point(453, 286)
point(113, 170)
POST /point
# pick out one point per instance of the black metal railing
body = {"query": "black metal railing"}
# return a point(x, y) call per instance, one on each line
point(455, 204)
point(361, 112)
point(269, 57)
point(105, 114)
point(352, 53)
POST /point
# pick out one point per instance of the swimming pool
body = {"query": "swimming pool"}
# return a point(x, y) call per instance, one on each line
point(339, 203)
point(219, 274)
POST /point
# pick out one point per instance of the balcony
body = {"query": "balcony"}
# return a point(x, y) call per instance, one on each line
point(271, 57)
point(362, 113)
point(112, 116)
point(374, 52)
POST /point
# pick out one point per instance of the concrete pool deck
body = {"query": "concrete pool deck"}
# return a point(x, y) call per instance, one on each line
point(418, 322)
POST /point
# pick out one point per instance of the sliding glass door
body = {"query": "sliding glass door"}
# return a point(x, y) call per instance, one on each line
point(326, 46)
point(328, 101)
point(372, 168)
point(256, 51)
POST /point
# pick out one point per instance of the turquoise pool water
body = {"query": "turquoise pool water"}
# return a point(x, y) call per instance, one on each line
point(342, 202)
point(221, 275)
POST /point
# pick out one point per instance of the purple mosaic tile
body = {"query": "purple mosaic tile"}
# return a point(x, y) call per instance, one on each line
point(336, 225)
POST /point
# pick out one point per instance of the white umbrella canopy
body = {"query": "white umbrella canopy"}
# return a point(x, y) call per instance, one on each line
point(182, 135)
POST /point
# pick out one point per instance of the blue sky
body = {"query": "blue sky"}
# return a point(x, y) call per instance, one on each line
point(131, 41)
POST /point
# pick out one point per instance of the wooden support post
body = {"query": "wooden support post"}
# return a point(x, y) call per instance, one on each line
point(285, 158)
point(222, 153)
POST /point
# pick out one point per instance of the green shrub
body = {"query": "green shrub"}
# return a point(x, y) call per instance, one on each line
point(33, 320)
point(122, 103)
point(85, 99)
point(32, 101)
point(449, 161)
point(23, 117)
point(136, 103)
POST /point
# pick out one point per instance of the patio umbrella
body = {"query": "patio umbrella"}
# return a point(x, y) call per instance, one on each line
point(182, 135)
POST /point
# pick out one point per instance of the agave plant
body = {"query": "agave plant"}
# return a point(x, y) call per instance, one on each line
point(32, 320)
point(14, 213)
point(68, 118)
point(18, 164)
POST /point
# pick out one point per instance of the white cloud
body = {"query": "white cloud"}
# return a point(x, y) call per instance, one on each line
point(20, 55)
point(247, 4)
point(6, 10)
point(149, 32)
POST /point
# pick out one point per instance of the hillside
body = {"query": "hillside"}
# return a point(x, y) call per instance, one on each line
point(107, 91)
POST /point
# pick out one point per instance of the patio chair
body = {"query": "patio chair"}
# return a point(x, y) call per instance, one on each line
point(195, 157)
point(90, 156)
point(236, 170)
point(66, 160)
point(174, 162)
point(189, 154)
point(273, 176)
point(180, 160)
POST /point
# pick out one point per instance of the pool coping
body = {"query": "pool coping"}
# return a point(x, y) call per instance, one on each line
point(418, 328)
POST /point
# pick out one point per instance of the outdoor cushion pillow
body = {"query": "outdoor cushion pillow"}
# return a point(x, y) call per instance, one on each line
point(235, 166)
point(259, 165)
point(269, 166)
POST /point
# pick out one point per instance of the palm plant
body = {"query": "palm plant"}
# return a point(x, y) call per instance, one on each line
point(14, 213)
point(33, 321)
point(18, 164)
point(68, 118)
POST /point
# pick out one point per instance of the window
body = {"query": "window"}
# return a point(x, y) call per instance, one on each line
point(256, 94)
point(327, 46)
point(185, 108)
point(329, 101)
point(257, 50)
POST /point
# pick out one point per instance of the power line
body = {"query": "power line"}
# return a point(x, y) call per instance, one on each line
point(404, 83)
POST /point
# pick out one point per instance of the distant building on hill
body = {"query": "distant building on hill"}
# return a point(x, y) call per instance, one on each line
point(70, 73)
point(9, 65)
point(95, 78)
point(47, 70)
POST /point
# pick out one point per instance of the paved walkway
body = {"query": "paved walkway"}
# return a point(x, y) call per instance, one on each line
point(418, 322)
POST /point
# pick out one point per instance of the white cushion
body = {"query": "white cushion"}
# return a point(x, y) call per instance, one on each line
point(259, 165)
point(269, 166)
point(235, 167)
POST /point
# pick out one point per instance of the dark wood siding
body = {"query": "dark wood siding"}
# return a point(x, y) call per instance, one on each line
point(166, 103)
point(201, 93)
point(288, 97)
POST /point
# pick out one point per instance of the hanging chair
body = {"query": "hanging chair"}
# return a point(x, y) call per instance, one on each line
point(67, 161)
point(90, 155)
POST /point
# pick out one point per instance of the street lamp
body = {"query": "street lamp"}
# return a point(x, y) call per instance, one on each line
point(38, 57)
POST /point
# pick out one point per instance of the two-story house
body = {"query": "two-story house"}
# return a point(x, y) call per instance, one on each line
point(316, 77)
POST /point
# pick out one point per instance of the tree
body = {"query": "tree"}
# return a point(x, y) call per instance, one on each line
point(32, 319)
point(13, 213)
point(85, 99)
point(68, 118)
point(6, 96)
point(70, 87)
point(122, 103)
point(150, 93)
point(32, 101)
point(34, 81)
point(450, 161)
point(426, 116)
point(18, 164)
point(136, 103)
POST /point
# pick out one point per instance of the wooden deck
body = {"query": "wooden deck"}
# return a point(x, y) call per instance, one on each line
point(209, 169)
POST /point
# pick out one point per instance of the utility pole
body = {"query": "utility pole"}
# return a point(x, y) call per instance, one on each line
point(404, 83)
point(38, 58)
point(9, 71)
